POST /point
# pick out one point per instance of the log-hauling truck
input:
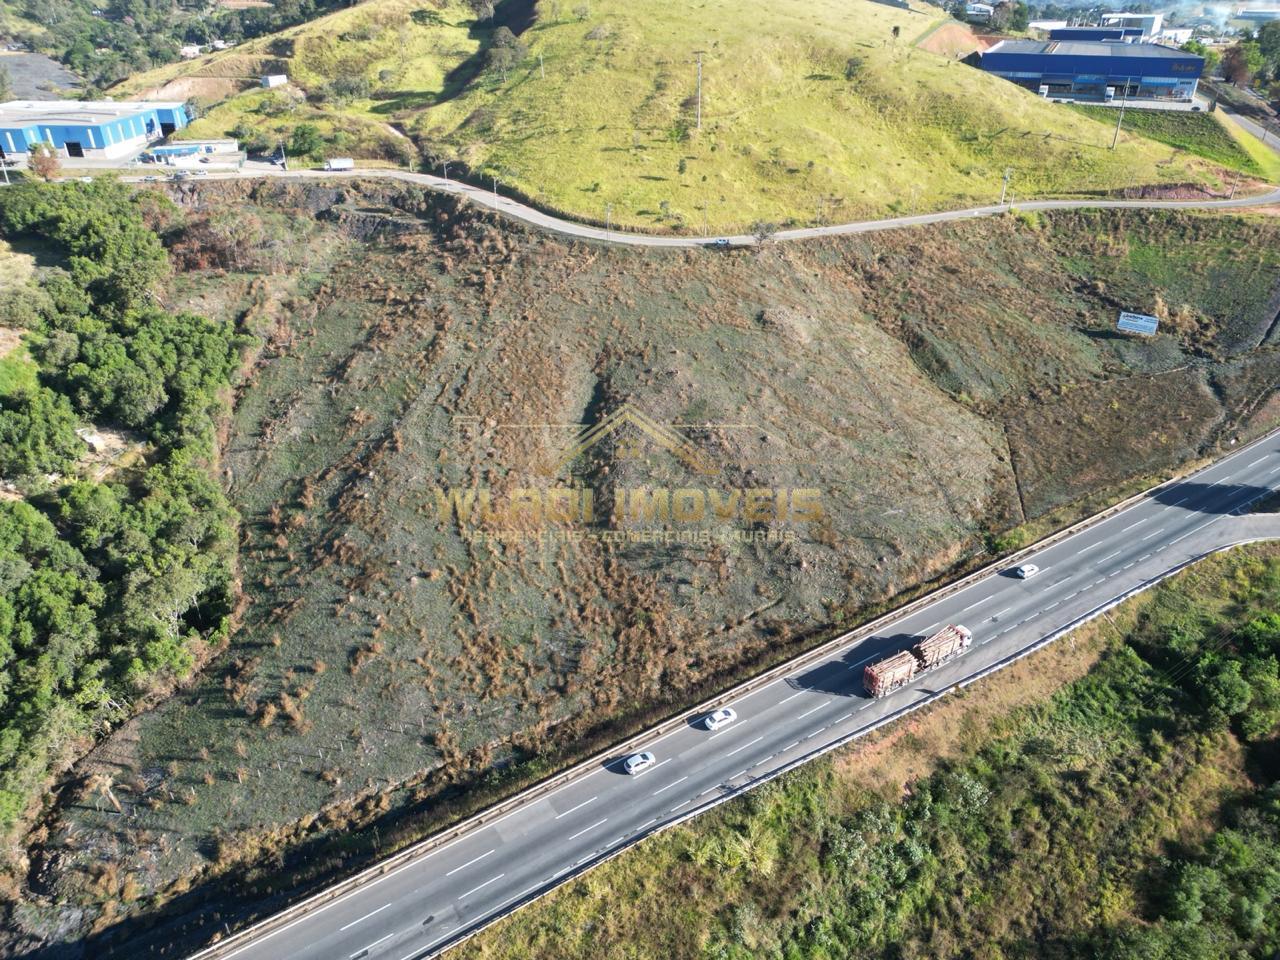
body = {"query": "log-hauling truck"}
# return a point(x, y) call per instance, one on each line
point(893, 672)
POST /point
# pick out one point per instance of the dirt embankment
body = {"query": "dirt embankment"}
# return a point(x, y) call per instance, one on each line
point(957, 40)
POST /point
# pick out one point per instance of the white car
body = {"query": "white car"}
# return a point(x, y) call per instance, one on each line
point(720, 718)
point(1026, 571)
point(638, 762)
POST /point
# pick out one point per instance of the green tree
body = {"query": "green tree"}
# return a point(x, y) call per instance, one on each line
point(306, 140)
point(37, 434)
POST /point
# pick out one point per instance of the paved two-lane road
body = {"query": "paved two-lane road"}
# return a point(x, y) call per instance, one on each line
point(537, 218)
point(422, 907)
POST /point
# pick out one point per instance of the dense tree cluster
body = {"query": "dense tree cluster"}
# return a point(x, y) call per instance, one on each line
point(108, 590)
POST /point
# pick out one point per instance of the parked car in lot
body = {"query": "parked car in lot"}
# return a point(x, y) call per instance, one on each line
point(719, 719)
point(638, 762)
point(1026, 571)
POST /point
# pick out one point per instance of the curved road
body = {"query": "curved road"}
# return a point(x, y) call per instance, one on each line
point(526, 214)
point(444, 893)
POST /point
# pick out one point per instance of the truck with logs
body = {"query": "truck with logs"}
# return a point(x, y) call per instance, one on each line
point(893, 672)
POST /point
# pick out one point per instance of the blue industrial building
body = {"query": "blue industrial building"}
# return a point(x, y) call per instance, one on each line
point(101, 129)
point(1096, 33)
point(1097, 71)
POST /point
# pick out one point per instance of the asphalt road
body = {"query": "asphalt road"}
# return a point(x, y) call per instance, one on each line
point(526, 214)
point(421, 908)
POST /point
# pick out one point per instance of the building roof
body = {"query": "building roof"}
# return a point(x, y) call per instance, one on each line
point(1089, 48)
point(23, 113)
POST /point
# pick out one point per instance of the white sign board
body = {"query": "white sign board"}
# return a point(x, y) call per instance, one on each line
point(1138, 323)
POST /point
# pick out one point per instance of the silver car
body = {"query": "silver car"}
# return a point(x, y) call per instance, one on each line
point(638, 762)
point(721, 718)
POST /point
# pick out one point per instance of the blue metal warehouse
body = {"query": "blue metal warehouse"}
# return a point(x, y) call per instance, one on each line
point(1097, 71)
point(103, 129)
point(1095, 33)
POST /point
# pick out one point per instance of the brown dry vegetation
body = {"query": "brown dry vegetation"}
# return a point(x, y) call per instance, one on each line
point(938, 386)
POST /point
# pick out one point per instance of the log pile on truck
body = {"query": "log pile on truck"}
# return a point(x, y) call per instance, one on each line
point(893, 672)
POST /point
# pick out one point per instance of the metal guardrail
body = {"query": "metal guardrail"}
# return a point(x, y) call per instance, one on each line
point(341, 889)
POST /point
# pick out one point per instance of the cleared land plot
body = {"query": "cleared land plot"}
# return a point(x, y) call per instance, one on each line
point(409, 344)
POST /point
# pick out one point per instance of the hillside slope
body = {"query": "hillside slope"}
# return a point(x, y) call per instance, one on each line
point(811, 111)
point(411, 342)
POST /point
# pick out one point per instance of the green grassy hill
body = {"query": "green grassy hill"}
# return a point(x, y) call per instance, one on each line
point(811, 110)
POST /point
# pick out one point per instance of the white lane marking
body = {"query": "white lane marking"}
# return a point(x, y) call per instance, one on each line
point(1258, 461)
point(1273, 470)
point(578, 807)
point(1051, 606)
point(1001, 613)
point(1111, 556)
point(669, 785)
point(482, 886)
point(1178, 504)
point(841, 719)
point(364, 918)
point(467, 864)
point(589, 829)
point(733, 776)
point(792, 697)
point(370, 946)
point(1092, 546)
point(976, 603)
point(855, 666)
point(814, 710)
point(1132, 525)
point(744, 746)
point(1140, 559)
point(1193, 530)
point(1150, 535)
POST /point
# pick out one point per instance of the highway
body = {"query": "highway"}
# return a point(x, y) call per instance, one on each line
point(420, 908)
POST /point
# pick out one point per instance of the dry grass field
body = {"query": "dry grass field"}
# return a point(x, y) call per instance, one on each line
point(937, 387)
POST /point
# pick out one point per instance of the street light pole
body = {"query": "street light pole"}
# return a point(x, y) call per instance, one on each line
point(608, 219)
point(1004, 188)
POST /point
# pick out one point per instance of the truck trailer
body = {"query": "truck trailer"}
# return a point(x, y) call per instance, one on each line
point(900, 669)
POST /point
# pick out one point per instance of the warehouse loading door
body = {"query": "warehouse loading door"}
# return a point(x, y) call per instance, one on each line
point(74, 149)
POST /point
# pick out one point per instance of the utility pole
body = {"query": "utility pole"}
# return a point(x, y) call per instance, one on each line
point(608, 219)
point(1120, 119)
point(699, 52)
point(1004, 189)
point(495, 188)
point(445, 166)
